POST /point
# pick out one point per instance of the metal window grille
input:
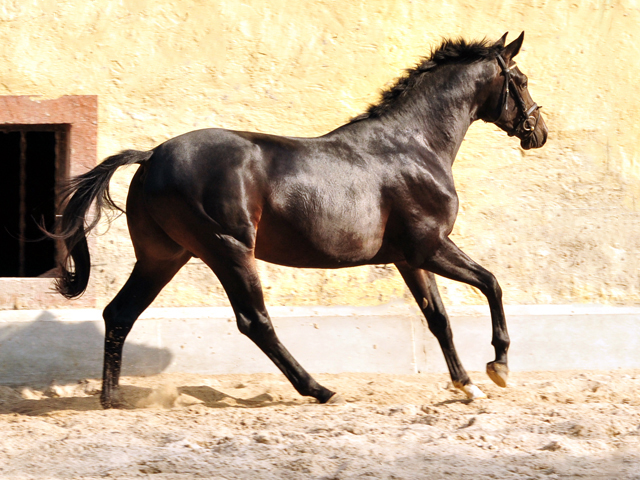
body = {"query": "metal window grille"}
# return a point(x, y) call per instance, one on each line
point(32, 167)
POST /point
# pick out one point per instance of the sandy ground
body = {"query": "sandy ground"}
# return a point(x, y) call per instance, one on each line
point(547, 425)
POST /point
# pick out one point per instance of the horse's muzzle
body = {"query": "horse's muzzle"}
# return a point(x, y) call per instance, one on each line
point(537, 137)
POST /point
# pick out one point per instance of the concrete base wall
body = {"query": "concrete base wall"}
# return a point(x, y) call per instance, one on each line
point(65, 345)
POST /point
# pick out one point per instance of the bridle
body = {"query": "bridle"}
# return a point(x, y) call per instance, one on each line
point(528, 122)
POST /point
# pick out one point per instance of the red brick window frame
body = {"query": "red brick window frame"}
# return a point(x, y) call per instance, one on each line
point(73, 121)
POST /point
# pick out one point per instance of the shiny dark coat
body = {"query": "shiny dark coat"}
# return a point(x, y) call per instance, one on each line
point(377, 190)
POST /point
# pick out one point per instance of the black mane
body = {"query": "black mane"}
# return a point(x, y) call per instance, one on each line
point(449, 51)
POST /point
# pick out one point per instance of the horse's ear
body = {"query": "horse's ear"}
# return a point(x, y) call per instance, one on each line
point(514, 47)
point(502, 41)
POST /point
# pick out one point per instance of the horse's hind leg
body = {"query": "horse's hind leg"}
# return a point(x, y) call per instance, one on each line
point(422, 285)
point(451, 262)
point(142, 287)
point(235, 267)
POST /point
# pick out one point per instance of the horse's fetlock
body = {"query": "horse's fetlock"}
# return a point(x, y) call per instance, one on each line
point(501, 343)
point(460, 384)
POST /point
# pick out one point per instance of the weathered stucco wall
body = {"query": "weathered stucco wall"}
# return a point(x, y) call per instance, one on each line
point(556, 225)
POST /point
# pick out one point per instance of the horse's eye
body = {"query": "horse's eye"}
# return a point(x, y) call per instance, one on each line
point(525, 84)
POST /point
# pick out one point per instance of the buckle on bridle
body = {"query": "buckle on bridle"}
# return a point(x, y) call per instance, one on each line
point(530, 122)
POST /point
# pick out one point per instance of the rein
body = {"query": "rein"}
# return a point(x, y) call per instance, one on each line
point(529, 121)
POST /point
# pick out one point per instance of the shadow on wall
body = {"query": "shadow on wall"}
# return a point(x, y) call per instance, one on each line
point(46, 350)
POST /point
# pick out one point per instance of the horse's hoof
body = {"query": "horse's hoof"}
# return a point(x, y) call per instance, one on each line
point(499, 373)
point(472, 392)
point(109, 403)
point(336, 399)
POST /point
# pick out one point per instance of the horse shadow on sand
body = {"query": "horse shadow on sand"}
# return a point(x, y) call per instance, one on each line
point(47, 352)
point(52, 360)
point(136, 397)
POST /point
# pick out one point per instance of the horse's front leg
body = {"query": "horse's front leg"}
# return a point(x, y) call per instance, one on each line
point(451, 262)
point(422, 285)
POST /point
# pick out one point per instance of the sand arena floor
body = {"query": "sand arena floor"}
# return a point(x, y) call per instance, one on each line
point(546, 425)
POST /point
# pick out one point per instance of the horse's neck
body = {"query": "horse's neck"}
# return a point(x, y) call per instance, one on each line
point(445, 109)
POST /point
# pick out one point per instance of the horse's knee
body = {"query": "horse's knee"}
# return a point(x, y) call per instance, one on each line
point(439, 326)
point(495, 286)
point(491, 287)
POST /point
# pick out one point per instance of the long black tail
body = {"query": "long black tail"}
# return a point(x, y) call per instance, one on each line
point(71, 227)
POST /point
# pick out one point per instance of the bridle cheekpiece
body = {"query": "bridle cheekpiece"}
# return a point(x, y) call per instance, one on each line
point(529, 121)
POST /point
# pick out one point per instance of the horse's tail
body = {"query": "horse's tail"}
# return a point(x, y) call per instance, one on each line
point(77, 197)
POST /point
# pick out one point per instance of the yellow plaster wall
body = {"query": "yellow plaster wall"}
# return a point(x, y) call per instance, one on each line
point(557, 225)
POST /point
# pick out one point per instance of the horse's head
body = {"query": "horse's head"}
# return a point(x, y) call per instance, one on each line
point(510, 105)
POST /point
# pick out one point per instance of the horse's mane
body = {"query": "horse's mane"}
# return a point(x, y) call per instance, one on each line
point(448, 52)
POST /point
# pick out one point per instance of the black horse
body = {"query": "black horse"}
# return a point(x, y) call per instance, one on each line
point(374, 191)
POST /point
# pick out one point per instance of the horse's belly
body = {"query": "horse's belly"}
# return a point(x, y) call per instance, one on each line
point(311, 246)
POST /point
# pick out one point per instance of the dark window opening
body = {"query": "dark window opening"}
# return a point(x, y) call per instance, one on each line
point(33, 164)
